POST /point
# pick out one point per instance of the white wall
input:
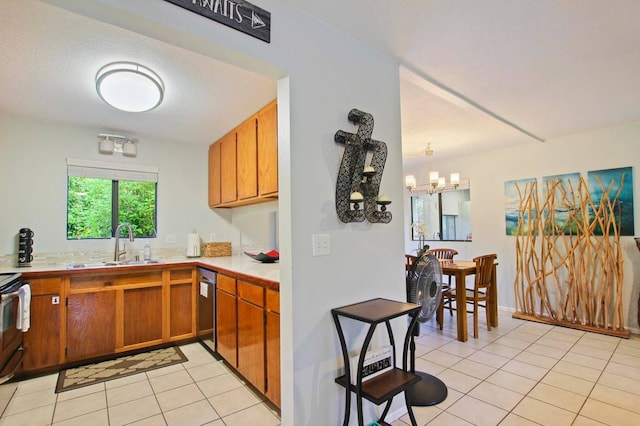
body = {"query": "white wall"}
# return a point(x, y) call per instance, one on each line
point(33, 172)
point(323, 75)
point(600, 149)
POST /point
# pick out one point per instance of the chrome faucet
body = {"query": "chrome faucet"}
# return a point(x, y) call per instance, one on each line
point(118, 253)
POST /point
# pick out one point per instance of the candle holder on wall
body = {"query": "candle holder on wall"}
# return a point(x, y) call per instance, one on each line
point(359, 184)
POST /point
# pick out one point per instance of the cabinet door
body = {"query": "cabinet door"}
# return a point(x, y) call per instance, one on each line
point(226, 328)
point(181, 310)
point(214, 175)
point(268, 150)
point(251, 349)
point(42, 341)
point(228, 189)
point(247, 160)
point(273, 357)
point(142, 315)
point(91, 324)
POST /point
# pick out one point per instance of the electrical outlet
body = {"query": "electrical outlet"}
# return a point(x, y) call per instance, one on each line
point(212, 236)
point(171, 238)
point(321, 244)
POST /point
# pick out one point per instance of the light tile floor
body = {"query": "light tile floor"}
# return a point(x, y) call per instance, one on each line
point(520, 373)
point(527, 373)
point(201, 391)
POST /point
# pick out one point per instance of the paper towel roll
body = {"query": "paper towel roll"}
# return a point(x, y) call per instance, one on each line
point(193, 245)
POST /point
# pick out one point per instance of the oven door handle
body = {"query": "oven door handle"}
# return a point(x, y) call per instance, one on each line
point(11, 293)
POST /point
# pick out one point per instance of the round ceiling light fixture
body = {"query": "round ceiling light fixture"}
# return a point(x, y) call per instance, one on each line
point(129, 86)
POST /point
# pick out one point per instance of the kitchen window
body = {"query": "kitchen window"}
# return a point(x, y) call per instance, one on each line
point(101, 195)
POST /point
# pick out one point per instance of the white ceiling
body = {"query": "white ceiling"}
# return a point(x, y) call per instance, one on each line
point(475, 75)
point(50, 58)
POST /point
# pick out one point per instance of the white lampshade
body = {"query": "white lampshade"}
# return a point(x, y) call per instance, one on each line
point(441, 183)
point(129, 149)
point(433, 177)
point(129, 87)
point(106, 146)
point(455, 178)
point(410, 181)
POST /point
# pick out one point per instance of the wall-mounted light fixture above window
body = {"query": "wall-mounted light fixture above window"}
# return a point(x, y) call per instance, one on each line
point(129, 86)
point(108, 144)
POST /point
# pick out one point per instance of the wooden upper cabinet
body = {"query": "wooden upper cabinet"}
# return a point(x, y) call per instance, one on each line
point(228, 183)
point(268, 150)
point(247, 160)
point(214, 175)
point(243, 164)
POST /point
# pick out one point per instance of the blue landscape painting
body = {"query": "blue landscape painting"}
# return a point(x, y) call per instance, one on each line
point(512, 203)
point(561, 213)
point(623, 206)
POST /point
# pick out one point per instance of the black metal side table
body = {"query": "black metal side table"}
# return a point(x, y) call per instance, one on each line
point(384, 387)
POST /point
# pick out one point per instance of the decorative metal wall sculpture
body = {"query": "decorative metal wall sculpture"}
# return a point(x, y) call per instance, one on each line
point(358, 183)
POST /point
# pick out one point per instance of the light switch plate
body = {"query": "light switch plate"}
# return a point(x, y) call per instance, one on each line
point(321, 244)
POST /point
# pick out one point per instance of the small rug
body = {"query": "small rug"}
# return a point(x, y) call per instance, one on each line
point(86, 375)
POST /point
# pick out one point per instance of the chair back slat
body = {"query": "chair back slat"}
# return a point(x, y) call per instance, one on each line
point(484, 270)
point(443, 253)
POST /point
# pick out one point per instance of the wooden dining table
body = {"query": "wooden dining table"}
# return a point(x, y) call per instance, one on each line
point(460, 270)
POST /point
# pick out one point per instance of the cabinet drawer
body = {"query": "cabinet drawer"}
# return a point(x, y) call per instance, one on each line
point(251, 293)
point(273, 301)
point(91, 281)
point(40, 286)
point(180, 274)
point(227, 284)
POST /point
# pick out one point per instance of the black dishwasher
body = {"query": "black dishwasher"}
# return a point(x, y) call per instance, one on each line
point(207, 308)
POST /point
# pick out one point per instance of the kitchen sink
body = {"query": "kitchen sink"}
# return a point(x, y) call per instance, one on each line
point(109, 264)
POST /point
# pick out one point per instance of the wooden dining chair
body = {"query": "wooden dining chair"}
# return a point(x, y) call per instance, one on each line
point(444, 254)
point(409, 261)
point(476, 297)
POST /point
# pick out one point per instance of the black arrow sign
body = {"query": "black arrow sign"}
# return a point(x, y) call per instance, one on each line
point(237, 14)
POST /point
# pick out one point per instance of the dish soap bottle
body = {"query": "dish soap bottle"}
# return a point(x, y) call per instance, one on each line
point(147, 251)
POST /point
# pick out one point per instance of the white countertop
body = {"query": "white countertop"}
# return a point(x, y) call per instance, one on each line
point(240, 263)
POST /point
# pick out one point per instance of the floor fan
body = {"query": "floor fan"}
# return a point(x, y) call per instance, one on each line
point(424, 288)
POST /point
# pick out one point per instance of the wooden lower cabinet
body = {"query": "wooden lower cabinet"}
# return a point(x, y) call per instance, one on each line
point(227, 320)
point(110, 312)
point(142, 322)
point(181, 310)
point(272, 333)
point(248, 332)
point(80, 316)
point(91, 324)
point(251, 334)
point(42, 341)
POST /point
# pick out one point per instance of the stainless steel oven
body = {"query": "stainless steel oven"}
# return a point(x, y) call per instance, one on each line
point(11, 350)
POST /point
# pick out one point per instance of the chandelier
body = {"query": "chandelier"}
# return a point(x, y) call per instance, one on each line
point(436, 183)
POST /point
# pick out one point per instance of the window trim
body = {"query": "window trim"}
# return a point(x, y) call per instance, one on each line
point(113, 171)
